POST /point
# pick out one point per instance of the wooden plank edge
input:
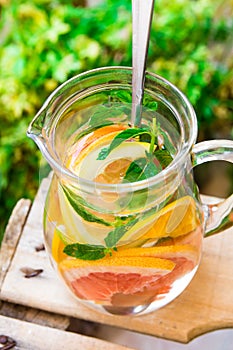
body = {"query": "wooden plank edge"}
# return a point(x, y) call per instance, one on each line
point(12, 235)
point(204, 329)
point(37, 316)
point(29, 336)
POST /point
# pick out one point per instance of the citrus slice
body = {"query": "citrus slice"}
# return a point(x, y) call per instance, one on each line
point(58, 247)
point(102, 279)
point(164, 252)
point(186, 258)
point(89, 142)
point(147, 264)
point(114, 172)
point(76, 229)
point(177, 218)
point(89, 167)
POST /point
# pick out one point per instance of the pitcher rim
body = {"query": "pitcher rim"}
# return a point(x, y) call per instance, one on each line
point(121, 187)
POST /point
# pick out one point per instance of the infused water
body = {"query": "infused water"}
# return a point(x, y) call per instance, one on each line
point(129, 246)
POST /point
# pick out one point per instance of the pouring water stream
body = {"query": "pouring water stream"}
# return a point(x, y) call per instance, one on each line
point(142, 12)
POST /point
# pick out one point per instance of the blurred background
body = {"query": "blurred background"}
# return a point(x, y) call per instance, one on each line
point(43, 43)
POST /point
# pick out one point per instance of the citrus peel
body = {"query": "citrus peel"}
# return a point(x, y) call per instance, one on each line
point(127, 261)
point(176, 219)
point(90, 142)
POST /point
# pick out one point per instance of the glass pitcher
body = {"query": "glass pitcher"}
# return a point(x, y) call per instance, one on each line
point(123, 220)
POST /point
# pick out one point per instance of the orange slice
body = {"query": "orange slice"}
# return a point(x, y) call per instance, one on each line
point(178, 218)
point(57, 247)
point(114, 172)
point(148, 265)
point(164, 252)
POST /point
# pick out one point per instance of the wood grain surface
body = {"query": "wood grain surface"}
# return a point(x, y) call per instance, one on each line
point(29, 336)
point(207, 303)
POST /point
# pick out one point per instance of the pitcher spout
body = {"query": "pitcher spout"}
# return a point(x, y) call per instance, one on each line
point(36, 126)
point(36, 131)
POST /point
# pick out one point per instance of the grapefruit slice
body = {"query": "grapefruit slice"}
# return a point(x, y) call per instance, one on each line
point(131, 276)
point(100, 280)
point(186, 257)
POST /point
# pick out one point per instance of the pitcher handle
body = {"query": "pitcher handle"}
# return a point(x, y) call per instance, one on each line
point(218, 216)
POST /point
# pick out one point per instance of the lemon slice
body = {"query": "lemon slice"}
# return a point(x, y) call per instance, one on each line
point(90, 167)
point(89, 142)
point(76, 229)
point(177, 218)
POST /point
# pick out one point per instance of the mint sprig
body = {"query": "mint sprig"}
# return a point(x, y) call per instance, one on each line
point(119, 138)
point(140, 169)
point(163, 157)
point(87, 251)
point(114, 236)
point(96, 252)
point(82, 211)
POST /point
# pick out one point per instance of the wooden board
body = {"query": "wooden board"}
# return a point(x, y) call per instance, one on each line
point(8, 248)
point(29, 336)
point(207, 304)
point(12, 235)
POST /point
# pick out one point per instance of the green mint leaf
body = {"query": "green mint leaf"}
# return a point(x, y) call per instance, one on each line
point(85, 251)
point(135, 170)
point(168, 143)
point(163, 156)
point(149, 103)
point(121, 96)
point(119, 138)
point(81, 201)
point(141, 169)
point(150, 170)
point(81, 211)
point(114, 236)
point(103, 153)
point(103, 115)
point(145, 138)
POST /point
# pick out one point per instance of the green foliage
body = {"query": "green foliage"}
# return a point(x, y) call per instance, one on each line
point(43, 43)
